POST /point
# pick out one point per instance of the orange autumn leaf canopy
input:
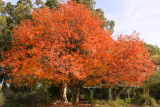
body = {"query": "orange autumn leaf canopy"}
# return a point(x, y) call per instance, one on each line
point(131, 64)
point(70, 45)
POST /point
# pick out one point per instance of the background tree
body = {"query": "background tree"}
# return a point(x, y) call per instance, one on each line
point(108, 24)
point(11, 15)
point(39, 2)
point(52, 3)
point(2, 4)
point(152, 82)
point(154, 50)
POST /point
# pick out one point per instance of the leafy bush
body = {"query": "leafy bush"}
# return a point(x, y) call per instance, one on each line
point(141, 100)
point(113, 104)
point(150, 101)
point(99, 103)
point(39, 96)
point(128, 100)
point(117, 103)
point(103, 103)
point(9, 94)
point(158, 101)
point(121, 102)
point(11, 104)
point(2, 99)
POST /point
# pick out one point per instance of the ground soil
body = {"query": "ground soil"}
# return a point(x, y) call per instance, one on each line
point(84, 105)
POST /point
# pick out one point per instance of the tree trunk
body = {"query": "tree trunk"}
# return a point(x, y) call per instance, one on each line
point(110, 94)
point(63, 92)
point(75, 90)
point(72, 92)
point(77, 94)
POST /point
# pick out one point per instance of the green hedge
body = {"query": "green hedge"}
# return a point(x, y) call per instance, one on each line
point(24, 99)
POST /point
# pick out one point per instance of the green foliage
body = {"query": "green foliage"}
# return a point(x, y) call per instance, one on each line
point(11, 15)
point(39, 2)
point(121, 102)
point(54, 91)
point(89, 3)
point(113, 104)
point(3, 24)
point(150, 101)
point(103, 103)
point(99, 103)
point(52, 3)
point(11, 104)
point(108, 24)
point(2, 4)
point(152, 49)
point(128, 100)
point(22, 12)
point(158, 101)
point(21, 99)
point(154, 80)
point(9, 9)
point(117, 103)
point(25, 2)
point(4, 33)
point(145, 101)
point(9, 94)
point(2, 99)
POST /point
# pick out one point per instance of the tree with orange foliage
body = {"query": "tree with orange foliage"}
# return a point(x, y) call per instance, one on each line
point(131, 61)
point(69, 45)
point(60, 45)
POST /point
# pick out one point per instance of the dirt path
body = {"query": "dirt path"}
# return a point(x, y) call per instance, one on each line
point(84, 105)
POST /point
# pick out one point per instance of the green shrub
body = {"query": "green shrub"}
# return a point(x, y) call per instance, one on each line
point(103, 103)
point(150, 101)
point(99, 103)
point(158, 101)
point(121, 102)
point(128, 100)
point(117, 103)
point(11, 104)
point(141, 100)
point(9, 94)
point(20, 99)
point(39, 96)
point(113, 104)
point(2, 99)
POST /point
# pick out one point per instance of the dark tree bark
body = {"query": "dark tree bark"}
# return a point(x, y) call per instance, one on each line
point(75, 90)
point(77, 94)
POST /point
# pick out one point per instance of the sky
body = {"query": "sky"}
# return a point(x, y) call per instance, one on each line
point(142, 16)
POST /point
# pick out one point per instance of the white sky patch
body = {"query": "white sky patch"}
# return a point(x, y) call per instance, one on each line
point(140, 15)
